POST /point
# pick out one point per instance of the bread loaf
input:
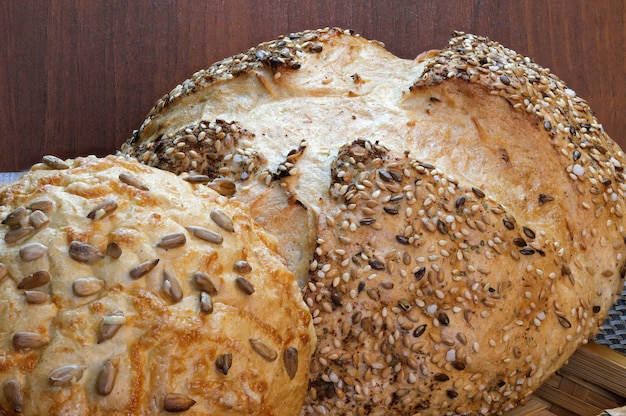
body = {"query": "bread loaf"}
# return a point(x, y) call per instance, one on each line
point(455, 221)
point(125, 290)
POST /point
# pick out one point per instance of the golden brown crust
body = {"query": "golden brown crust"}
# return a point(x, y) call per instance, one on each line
point(125, 325)
point(378, 150)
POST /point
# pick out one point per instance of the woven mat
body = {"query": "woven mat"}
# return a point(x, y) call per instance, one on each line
point(612, 333)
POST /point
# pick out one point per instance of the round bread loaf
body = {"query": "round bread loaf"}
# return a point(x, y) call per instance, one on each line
point(126, 290)
point(455, 221)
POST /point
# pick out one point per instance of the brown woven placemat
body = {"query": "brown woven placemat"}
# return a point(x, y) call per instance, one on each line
point(613, 332)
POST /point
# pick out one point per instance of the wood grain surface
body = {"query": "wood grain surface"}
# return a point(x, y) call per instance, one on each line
point(78, 76)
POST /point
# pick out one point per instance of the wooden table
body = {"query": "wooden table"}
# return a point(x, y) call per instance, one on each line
point(77, 76)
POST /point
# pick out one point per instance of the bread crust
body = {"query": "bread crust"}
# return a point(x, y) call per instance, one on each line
point(124, 326)
point(466, 204)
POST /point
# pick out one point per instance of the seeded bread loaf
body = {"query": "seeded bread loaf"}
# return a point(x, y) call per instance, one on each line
point(456, 221)
point(125, 290)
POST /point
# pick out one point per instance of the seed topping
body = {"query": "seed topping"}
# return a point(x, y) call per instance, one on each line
point(206, 303)
point(143, 268)
point(203, 282)
point(264, 350)
point(205, 234)
point(114, 250)
point(36, 296)
point(222, 220)
point(224, 362)
point(66, 376)
point(54, 162)
point(13, 395)
point(110, 326)
point(176, 402)
point(35, 280)
point(38, 219)
point(223, 186)
point(173, 240)
point(105, 382)
point(33, 251)
point(87, 286)
point(29, 340)
point(133, 181)
point(244, 285)
point(197, 178)
point(19, 234)
point(242, 266)
point(290, 360)
point(103, 209)
point(15, 217)
point(172, 287)
point(83, 252)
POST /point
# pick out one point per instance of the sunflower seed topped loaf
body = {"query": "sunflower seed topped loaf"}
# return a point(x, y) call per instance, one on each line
point(455, 221)
point(126, 290)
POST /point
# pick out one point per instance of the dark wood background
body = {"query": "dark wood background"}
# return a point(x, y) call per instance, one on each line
point(78, 76)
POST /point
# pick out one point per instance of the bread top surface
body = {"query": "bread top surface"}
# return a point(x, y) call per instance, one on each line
point(541, 225)
point(120, 298)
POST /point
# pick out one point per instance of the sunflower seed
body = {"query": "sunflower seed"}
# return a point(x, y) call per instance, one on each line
point(114, 250)
point(15, 217)
point(43, 205)
point(529, 232)
point(66, 375)
point(38, 219)
point(419, 331)
point(206, 303)
point(83, 252)
point(263, 349)
point(173, 240)
point(87, 286)
point(33, 251)
point(103, 209)
point(205, 234)
point(565, 323)
point(478, 192)
point(4, 271)
point(459, 365)
point(172, 287)
point(290, 359)
point(29, 340)
point(245, 285)
point(224, 362)
point(441, 377)
point(36, 296)
point(223, 186)
point(37, 279)
point(404, 304)
point(13, 395)
point(222, 220)
point(107, 376)
point(54, 162)
point(143, 268)
point(17, 235)
point(176, 402)
point(242, 266)
point(459, 202)
point(204, 283)
point(197, 179)
point(132, 181)
point(110, 326)
point(442, 227)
